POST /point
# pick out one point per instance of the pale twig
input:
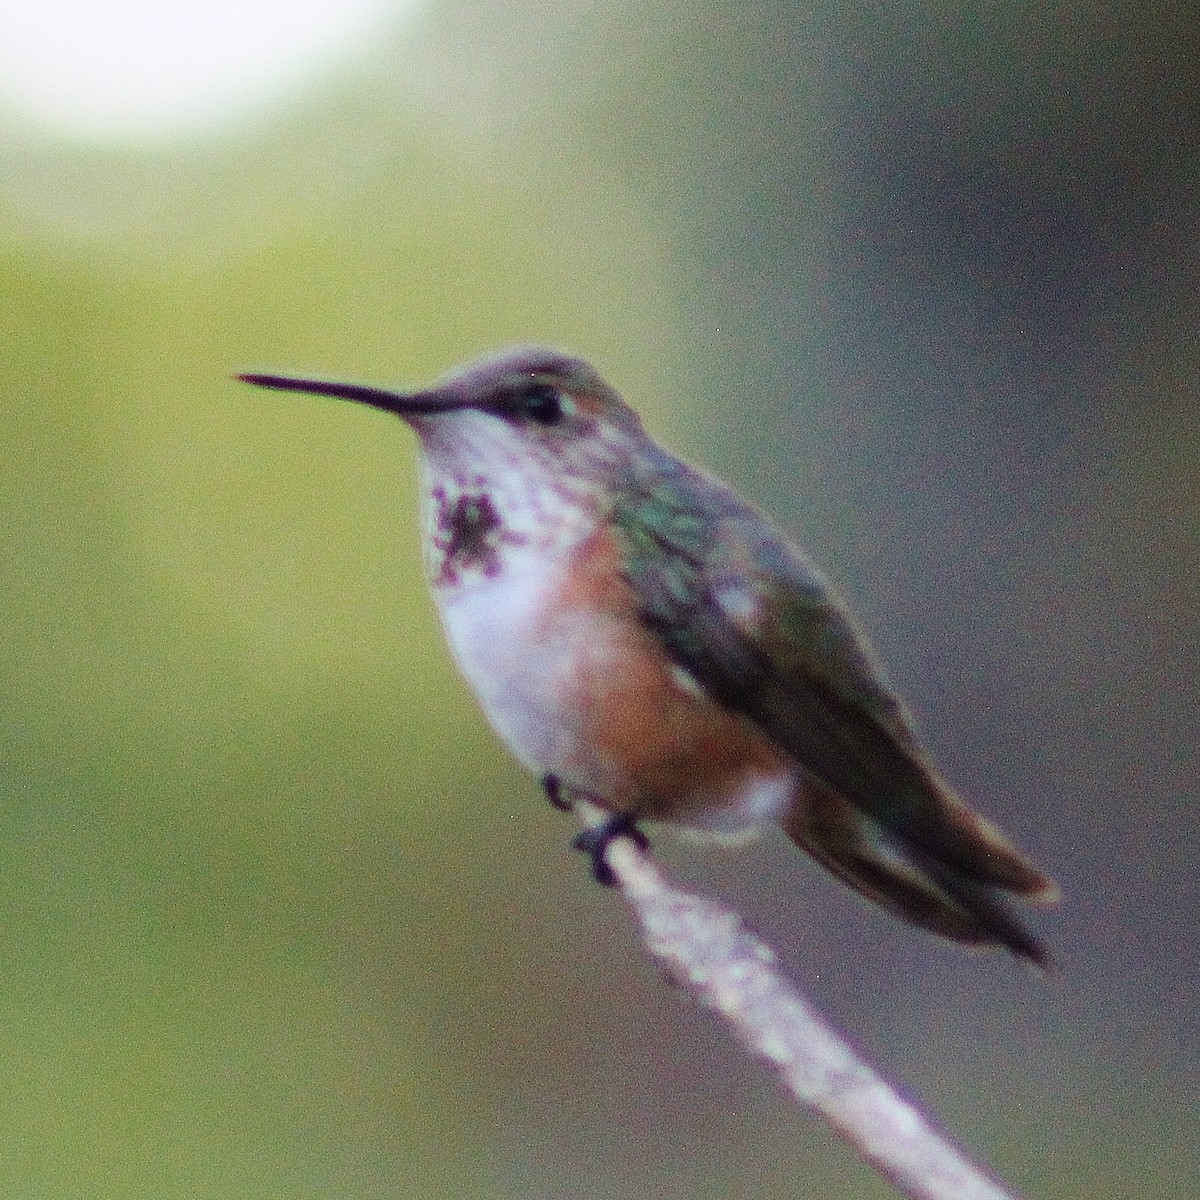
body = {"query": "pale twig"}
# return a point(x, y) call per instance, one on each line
point(709, 950)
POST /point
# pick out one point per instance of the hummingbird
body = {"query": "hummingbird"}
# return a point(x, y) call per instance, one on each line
point(642, 637)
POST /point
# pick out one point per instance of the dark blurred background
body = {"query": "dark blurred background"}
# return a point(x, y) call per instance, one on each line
point(278, 915)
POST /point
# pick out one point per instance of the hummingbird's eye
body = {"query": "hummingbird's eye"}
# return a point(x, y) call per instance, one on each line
point(543, 403)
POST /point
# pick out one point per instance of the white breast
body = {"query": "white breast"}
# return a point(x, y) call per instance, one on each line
point(517, 657)
point(497, 543)
point(523, 656)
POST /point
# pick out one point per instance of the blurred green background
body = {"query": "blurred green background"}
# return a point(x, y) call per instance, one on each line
point(278, 915)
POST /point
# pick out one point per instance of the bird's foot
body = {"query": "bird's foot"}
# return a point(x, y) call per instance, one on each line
point(552, 786)
point(595, 842)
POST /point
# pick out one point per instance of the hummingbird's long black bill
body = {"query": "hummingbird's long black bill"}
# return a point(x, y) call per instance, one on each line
point(400, 403)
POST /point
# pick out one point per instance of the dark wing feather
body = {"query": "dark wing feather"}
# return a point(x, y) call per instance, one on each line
point(760, 629)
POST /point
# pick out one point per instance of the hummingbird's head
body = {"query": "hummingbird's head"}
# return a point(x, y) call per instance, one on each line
point(526, 410)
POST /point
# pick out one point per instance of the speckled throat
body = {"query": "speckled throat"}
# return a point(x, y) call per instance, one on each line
point(493, 496)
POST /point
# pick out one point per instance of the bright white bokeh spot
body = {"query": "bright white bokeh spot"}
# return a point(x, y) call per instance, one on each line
point(155, 68)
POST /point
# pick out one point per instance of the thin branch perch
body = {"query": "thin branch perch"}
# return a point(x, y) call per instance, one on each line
point(709, 950)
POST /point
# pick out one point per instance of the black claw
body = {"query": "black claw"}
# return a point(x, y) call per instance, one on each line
point(595, 842)
point(552, 786)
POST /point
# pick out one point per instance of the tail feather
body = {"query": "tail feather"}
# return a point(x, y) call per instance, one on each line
point(952, 832)
point(949, 881)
